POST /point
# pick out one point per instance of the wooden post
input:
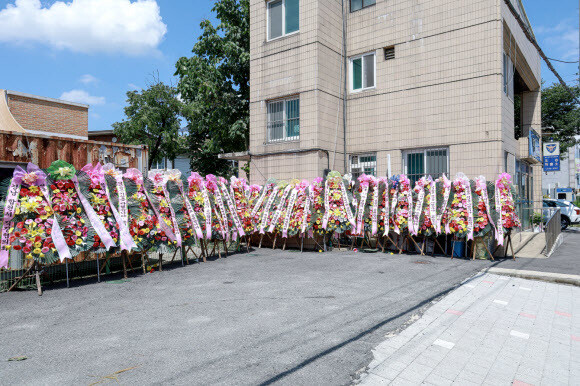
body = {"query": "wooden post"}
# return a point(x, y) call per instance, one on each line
point(123, 253)
point(37, 274)
point(225, 247)
point(261, 238)
point(21, 277)
point(275, 237)
point(204, 250)
point(98, 270)
point(284, 246)
point(414, 242)
point(511, 246)
point(490, 254)
point(160, 262)
point(67, 280)
point(302, 244)
point(143, 262)
point(453, 249)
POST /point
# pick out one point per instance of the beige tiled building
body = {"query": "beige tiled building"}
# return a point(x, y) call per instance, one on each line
point(392, 86)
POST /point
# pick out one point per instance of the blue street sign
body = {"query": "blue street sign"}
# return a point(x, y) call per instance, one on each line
point(551, 163)
point(564, 190)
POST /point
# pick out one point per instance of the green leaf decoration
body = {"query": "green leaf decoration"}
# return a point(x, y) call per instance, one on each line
point(61, 170)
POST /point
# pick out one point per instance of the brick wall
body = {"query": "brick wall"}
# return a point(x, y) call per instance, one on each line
point(50, 116)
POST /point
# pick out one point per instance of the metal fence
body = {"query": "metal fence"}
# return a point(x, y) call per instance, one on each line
point(87, 265)
point(553, 230)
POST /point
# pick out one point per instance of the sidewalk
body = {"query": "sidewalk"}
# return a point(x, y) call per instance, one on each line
point(565, 260)
point(492, 330)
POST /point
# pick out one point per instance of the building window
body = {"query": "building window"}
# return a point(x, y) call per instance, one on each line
point(363, 163)
point(283, 18)
point(362, 72)
point(425, 162)
point(284, 120)
point(508, 76)
point(355, 5)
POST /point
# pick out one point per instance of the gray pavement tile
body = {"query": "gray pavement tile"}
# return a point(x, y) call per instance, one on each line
point(403, 382)
point(372, 379)
point(473, 377)
point(438, 380)
point(486, 350)
point(465, 382)
point(478, 367)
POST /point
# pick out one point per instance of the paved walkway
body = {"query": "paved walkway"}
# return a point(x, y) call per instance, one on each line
point(565, 259)
point(492, 330)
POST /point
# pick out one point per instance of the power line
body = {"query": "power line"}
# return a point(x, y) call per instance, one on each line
point(563, 61)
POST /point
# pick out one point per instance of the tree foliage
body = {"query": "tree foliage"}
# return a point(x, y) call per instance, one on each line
point(560, 110)
point(153, 118)
point(214, 84)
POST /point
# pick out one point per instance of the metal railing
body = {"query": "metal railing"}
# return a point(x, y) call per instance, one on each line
point(553, 230)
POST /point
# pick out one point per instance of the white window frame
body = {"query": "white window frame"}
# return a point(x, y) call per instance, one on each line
point(350, 72)
point(284, 34)
point(285, 138)
point(509, 73)
point(423, 150)
point(350, 164)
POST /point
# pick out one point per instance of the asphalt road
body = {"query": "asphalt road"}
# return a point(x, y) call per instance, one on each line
point(260, 318)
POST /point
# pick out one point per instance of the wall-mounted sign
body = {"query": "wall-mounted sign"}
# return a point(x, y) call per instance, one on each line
point(551, 156)
point(564, 190)
point(534, 146)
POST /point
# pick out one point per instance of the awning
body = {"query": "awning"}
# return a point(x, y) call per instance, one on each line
point(239, 156)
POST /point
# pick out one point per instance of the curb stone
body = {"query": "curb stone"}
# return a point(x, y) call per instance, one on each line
point(551, 277)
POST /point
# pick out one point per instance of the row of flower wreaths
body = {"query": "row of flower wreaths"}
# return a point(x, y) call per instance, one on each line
point(59, 212)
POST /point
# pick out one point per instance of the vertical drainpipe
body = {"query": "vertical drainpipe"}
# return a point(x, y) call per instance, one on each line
point(344, 94)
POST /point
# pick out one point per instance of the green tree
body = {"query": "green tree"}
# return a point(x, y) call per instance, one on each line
point(153, 118)
point(214, 84)
point(560, 111)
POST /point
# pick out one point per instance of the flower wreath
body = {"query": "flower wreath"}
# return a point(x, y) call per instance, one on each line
point(93, 186)
point(483, 223)
point(68, 208)
point(242, 204)
point(220, 222)
point(28, 224)
point(162, 202)
point(200, 201)
point(317, 197)
point(385, 212)
point(298, 212)
point(460, 221)
point(181, 209)
point(422, 223)
point(275, 206)
point(404, 203)
point(366, 203)
point(144, 224)
point(505, 207)
point(338, 216)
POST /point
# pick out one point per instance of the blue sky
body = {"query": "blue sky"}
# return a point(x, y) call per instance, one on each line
point(93, 51)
